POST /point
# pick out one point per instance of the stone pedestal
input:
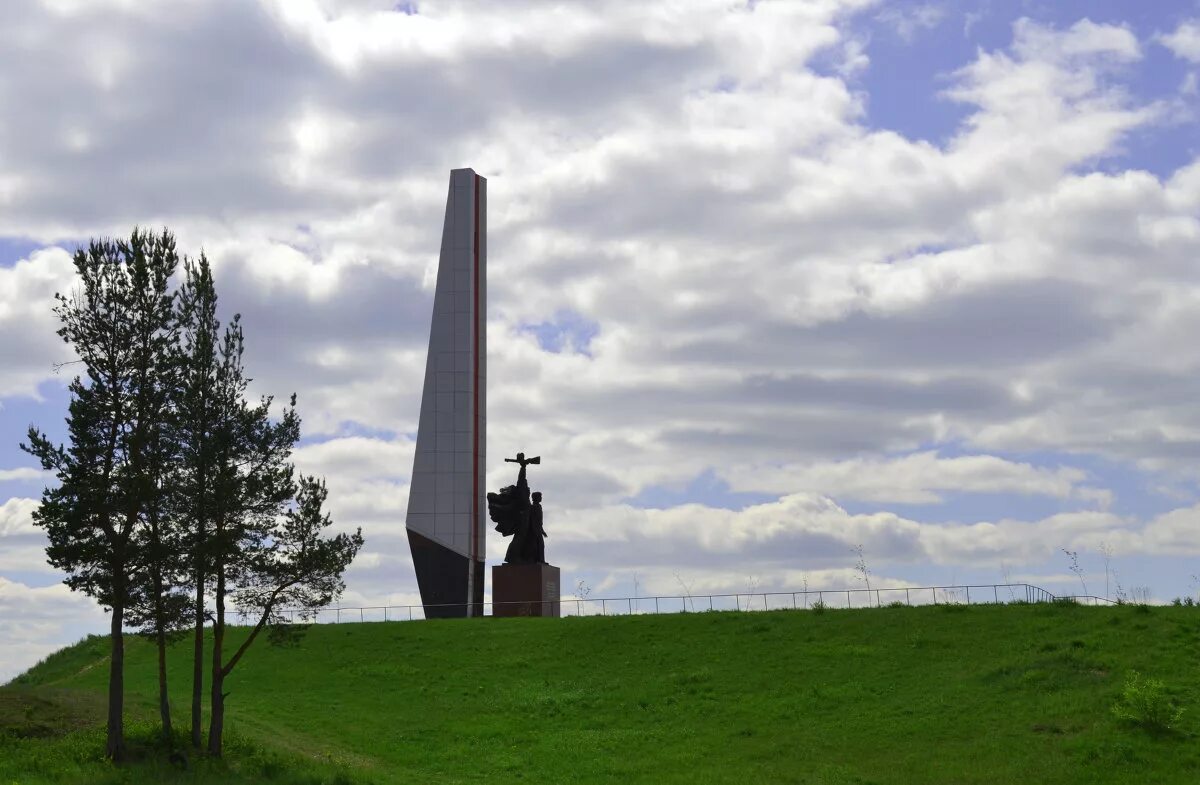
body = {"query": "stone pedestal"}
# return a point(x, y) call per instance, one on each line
point(525, 590)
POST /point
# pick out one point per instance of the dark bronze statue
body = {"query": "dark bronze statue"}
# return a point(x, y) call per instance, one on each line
point(516, 516)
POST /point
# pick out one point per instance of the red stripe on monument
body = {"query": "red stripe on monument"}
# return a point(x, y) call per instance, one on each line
point(475, 403)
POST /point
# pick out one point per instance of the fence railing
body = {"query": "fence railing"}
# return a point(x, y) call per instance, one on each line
point(964, 594)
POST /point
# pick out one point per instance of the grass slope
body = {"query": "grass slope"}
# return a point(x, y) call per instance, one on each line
point(949, 694)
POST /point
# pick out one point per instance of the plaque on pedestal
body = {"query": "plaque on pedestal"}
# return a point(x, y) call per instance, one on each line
point(525, 590)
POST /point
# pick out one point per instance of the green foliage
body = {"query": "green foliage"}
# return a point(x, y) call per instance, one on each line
point(103, 518)
point(1146, 702)
point(118, 323)
point(172, 480)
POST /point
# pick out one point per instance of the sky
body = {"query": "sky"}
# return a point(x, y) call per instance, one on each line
point(768, 280)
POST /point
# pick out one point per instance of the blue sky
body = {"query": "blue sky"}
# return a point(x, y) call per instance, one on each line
point(905, 96)
point(766, 283)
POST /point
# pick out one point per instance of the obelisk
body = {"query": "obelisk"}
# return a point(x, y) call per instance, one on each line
point(446, 508)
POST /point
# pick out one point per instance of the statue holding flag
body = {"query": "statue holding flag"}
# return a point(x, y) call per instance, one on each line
point(516, 516)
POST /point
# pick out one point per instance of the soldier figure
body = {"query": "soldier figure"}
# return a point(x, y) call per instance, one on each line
point(536, 552)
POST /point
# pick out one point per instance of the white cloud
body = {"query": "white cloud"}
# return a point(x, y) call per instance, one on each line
point(16, 516)
point(909, 19)
point(36, 621)
point(1184, 42)
point(804, 531)
point(22, 473)
point(30, 348)
point(918, 478)
point(783, 296)
point(1085, 38)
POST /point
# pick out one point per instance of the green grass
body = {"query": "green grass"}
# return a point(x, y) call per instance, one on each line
point(947, 694)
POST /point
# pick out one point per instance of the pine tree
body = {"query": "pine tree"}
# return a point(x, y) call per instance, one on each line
point(252, 482)
point(288, 565)
point(158, 607)
point(119, 325)
point(196, 425)
point(172, 480)
point(161, 609)
point(246, 533)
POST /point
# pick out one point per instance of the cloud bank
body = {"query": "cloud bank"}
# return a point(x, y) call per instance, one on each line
point(704, 262)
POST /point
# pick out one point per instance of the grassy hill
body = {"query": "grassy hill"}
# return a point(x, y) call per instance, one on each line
point(945, 694)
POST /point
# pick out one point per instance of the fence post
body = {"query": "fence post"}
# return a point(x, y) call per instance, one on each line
point(764, 601)
point(968, 595)
point(630, 606)
point(878, 602)
point(996, 593)
point(361, 617)
point(603, 607)
point(934, 590)
point(847, 599)
point(656, 605)
point(907, 598)
point(793, 600)
point(710, 605)
point(339, 615)
point(410, 613)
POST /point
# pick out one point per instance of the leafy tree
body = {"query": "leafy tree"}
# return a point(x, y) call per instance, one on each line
point(119, 324)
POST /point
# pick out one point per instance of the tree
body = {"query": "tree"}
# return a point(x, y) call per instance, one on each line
point(160, 608)
point(252, 483)
point(234, 475)
point(157, 606)
point(252, 531)
point(171, 479)
point(288, 565)
point(119, 324)
point(197, 415)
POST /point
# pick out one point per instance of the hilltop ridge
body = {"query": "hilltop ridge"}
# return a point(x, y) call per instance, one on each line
point(945, 694)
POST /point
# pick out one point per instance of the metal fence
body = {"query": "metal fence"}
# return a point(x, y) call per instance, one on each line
point(973, 594)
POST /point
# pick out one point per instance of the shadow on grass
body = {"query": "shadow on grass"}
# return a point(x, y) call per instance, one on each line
point(57, 736)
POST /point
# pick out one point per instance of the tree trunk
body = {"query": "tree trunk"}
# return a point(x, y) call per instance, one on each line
point(216, 722)
point(198, 657)
point(216, 701)
point(115, 749)
point(164, 705)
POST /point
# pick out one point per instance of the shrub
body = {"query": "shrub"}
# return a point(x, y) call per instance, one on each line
point(819, 606)
point(1145, 702)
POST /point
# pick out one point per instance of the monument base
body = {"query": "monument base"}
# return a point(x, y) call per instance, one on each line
point(525, 590)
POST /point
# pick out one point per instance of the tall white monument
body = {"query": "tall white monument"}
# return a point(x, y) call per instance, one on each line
point(447, 509)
